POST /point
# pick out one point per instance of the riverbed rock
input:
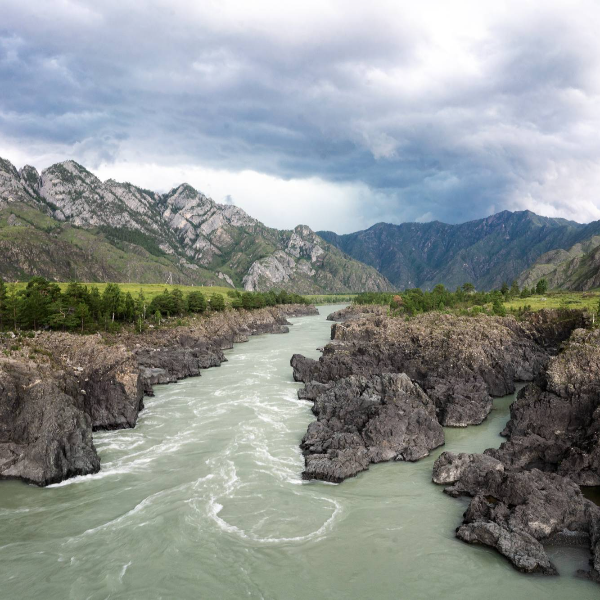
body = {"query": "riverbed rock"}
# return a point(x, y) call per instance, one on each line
point(364, 420)
point(356, 311)
point(45, 434)
point(460, 362)
point(298, 310)
point(515, 511)
point(555, 425)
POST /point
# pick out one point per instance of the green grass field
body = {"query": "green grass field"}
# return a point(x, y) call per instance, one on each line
point(556, 299)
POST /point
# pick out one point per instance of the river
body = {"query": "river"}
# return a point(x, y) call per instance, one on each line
point(203, 499)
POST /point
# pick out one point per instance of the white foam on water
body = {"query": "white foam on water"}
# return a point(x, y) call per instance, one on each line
point(123, 571)
point(214, 508)
point(135, 462)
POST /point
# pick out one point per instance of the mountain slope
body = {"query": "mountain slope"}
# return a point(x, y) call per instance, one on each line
point(485, 252)
point(577, 268)
point(65, 223)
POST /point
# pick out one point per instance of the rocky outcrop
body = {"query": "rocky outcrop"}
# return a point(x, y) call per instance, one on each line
point(367, 420)
point(555, 423)
point(516, 511)
point(527, 492)
point(45, 435)
point(306, 264)
point(356, 311)
point(459, 362)
point(59, 388)
point(298, 310)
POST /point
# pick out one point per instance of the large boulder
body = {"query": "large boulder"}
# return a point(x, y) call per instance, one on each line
point(364, 420)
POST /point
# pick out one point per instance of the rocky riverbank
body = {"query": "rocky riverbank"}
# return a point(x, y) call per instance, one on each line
point(355, 311)
point(527, 491)
point(384, 387)
point(57, 388)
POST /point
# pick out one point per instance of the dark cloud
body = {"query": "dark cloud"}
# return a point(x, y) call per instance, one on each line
point(441, 113)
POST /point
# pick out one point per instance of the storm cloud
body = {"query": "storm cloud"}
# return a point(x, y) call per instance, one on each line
point(334, 114)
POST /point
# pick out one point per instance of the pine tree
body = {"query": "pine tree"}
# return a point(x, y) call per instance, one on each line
point(177, 302)
point(196, 302)
point(82, 314)
point(129, 308)
point(140, 305)
point(217, 302)
point(541, 287)
point(12, 307)
point(498, 308)
point(95, 303)
point(111, 299)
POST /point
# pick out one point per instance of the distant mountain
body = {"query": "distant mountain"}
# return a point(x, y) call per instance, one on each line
point(67, 224)
point(577, 268)
point(485, 252)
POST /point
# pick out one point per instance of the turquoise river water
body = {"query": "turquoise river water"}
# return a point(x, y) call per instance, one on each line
point(203, 499)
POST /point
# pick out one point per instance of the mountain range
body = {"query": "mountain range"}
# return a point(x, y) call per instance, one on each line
point(66, 224)
point(485, 252)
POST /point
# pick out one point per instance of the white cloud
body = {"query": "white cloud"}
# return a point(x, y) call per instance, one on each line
point(337, 113)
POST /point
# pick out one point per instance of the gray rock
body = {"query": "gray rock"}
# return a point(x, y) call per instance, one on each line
point(368, 420)
point(45, 434)
point(522, 549)
point(515, 511)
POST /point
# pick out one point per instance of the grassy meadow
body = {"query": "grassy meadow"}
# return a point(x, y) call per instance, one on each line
point(557, 299)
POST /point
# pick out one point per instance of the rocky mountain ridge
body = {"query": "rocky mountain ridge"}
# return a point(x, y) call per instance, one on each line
point(183, 233)
point(485, 252)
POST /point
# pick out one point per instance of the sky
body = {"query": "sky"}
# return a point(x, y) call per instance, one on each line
point(334, 114)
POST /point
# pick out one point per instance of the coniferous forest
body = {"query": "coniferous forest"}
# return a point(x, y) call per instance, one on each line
point(42, 304)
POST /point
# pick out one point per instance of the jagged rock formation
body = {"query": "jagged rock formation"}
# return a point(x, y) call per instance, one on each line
point(81, 227)
point(367, 420)
point(384, 385)
point(61, 387)
point(515, 511)
point(555, 423)
point(484, 252)
point(355, 311)
point(45, 436)
point(459, 362)
point(527, 491)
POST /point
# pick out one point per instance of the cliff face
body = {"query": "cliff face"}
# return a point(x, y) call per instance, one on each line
point(111, 231)
point(485, 252)
point(59, 387)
